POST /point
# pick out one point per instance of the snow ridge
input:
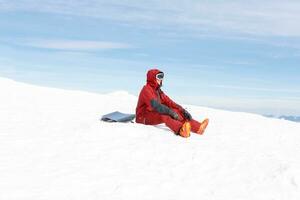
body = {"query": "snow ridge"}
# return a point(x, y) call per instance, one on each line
point(53, 146)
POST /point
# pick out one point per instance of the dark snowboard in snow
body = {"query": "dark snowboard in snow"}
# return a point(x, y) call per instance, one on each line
point(118, 117)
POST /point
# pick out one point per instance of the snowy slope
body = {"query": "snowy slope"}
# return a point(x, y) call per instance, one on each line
point(53, 146)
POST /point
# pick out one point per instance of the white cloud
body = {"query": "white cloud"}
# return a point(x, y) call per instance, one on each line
point(72, 45)
point(254, 17)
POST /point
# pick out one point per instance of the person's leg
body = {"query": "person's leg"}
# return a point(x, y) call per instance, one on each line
point(173, 124)
point(195, 125)
point(185, 127)
point(199, 127)
point(154, 118)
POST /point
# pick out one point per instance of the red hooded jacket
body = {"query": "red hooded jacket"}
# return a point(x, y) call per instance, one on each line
point(152, 91)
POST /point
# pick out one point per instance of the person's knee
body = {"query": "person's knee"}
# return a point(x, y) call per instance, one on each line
point(165, 118)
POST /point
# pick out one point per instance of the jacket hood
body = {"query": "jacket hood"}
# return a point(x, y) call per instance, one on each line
point(151, 78)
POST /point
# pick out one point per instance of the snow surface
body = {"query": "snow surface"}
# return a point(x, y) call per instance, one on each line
point(53, 146)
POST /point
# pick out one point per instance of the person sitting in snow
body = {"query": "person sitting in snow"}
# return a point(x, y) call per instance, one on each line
point(155, 107)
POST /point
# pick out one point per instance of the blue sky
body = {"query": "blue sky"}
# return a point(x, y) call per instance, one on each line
point(235, 55)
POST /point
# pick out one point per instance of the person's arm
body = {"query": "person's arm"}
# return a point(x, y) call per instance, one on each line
point(162, 109)
point(169, 102)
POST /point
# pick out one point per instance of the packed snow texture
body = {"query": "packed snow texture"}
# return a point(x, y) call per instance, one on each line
point(53, 146)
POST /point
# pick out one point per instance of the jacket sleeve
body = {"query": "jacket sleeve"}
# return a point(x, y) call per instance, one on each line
point(169, 102)
point(160, 108)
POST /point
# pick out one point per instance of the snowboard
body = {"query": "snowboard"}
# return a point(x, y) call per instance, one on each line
point(118, 117)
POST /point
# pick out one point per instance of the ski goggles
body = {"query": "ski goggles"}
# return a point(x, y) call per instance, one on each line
point(160, 76)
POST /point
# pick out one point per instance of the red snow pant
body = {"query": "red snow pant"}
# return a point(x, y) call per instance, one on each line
point(154, 118)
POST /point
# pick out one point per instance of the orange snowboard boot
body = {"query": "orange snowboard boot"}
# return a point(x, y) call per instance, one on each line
point(185, 130)
point(203, 126)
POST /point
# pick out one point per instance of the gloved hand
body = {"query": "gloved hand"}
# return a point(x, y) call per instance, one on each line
point(174, 115)
point(186, 114)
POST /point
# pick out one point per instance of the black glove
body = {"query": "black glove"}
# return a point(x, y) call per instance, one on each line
point(186, 114)
point(174, 115)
